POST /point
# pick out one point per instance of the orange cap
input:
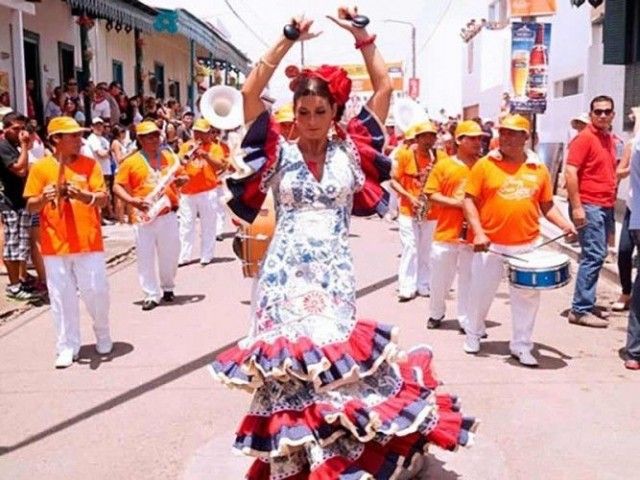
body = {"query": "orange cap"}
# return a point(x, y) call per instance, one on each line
point(147, 127)
point(469, 128)
point(515, 122)
point(64, 125)
point(202, 125)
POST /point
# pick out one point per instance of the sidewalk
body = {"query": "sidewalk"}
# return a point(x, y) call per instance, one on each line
point(549, 231)
point(118, 242)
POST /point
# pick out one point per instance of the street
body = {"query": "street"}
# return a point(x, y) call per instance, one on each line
point(152, 411)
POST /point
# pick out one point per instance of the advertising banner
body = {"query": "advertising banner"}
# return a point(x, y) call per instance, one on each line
point(529, 66)
point(532, 8)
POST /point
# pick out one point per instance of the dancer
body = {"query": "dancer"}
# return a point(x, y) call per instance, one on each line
point(330, 398)
point(451, 252)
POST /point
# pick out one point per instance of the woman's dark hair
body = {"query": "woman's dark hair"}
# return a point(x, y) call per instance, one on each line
point(313, 86)
point(116, 131)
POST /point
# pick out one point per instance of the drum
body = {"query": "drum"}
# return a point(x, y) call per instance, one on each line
point(540, 270)
point(252, 241)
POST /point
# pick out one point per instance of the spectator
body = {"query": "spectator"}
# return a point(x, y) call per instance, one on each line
point(5, 99)
point(185, 130)
point(14, 157)
point(31, 102)
point(100, 106)
point(70, 109)
point(54, 105)
point(118, 154)
point(73, 93)
point(591, 185)
point(98, 148)
point(633, 330)
point(112, 94)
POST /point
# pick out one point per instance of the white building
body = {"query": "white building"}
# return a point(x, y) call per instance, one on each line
point(44, 42)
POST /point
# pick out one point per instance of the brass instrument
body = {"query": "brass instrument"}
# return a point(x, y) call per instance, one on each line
point(423, 201)
point(157, 199)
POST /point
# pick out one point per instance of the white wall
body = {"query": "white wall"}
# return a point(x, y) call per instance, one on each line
point(54, 23)
point(5, 48)
point(112, 45)
point(173, 52)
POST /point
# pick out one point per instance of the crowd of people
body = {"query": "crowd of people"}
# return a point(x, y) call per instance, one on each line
point(467, 202)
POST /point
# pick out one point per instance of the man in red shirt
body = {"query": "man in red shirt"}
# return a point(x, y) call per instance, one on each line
point(591, 184)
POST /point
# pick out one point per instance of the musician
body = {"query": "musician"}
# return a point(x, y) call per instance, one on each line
point(158, 238)
point(284, 117)
point(199, 194)
point(68, 191)
point(505, 193)
point(221, 152)
point(450, 251)
point(411, 169)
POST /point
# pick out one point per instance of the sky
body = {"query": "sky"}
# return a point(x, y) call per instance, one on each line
point(437, 22)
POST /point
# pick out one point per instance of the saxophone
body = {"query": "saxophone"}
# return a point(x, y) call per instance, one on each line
point(157, 199)
point(422, 208)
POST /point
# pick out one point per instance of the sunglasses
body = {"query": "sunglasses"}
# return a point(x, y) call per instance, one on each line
point(598, 112)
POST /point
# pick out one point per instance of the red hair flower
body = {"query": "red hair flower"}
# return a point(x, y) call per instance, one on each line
point(336, 78)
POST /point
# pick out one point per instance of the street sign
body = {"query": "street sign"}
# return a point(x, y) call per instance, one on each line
point(414, 88)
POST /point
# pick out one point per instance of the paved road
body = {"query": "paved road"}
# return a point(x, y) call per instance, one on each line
point(151, 411)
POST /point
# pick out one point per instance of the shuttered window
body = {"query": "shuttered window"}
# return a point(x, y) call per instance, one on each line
point(618, 32)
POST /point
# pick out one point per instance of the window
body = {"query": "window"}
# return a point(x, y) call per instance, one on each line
point(117, 72)
point(569, 86)
point(174, 89)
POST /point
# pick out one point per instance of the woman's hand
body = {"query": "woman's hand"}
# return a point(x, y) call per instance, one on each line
point(304, 25)
point(343, 20)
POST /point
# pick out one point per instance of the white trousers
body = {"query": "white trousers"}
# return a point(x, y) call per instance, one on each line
point(66, 276)
point(487, 270)
point(447, 258)
point(220, 212)
point(192, 206)
point(160, 239)
point(414, 271)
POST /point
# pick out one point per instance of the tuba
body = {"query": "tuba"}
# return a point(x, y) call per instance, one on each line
point(222, 106)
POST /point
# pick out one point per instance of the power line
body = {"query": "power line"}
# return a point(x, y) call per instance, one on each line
point(246, 25)
point(438, 23)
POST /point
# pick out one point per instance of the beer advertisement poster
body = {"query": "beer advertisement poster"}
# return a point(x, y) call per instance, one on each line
point(529, 66)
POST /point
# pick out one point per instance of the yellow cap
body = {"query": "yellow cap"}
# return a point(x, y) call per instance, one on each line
point(469, 128)
point(284, 113)
point(146, 127)
point(423, 127)
point(410, 133)
point(201, 125)
point(515, 122)
point(63, 125)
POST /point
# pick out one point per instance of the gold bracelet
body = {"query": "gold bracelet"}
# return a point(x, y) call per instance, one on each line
point(267, 64)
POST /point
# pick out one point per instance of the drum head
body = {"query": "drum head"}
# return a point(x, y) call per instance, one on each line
point(539, 259)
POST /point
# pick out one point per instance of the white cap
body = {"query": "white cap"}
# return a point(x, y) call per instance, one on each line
point(96, 120)
point(583, 117)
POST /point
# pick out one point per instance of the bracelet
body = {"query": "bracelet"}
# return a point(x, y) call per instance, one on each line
point(365, 41)
point(93, 199)
point(267, 64)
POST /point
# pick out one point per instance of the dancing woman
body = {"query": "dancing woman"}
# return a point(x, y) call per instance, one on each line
point(333, 396)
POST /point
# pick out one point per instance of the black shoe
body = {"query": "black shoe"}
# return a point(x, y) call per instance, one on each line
point(149, 305)
point(219, 238)
point(434, 322)
point(168, 296)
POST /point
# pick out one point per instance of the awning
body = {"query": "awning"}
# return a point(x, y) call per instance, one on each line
point(127, 12)
point(200, 32)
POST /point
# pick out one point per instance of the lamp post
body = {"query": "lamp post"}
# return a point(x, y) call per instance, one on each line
point(413, 42)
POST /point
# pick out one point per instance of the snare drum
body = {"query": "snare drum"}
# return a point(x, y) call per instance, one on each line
point(540, 270)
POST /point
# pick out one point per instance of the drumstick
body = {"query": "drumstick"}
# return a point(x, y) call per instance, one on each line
point(554, 239)
point(506, 255)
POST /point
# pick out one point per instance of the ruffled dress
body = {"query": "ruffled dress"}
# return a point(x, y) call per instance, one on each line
point(333, 397)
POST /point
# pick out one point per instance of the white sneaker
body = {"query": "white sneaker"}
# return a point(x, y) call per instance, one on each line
point(104, 346)
point(471, 344)
point(65, 358)
point(525, 357)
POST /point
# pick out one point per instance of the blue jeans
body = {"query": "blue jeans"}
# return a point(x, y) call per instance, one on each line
point(633, 328)
point(593, 243)
point(626, 246)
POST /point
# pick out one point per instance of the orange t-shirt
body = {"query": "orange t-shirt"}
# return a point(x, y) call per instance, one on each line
point(409, 162)
point(509, 196)
point(449, 178)
point(202, 176)
point(139, 179)
point(71, 226)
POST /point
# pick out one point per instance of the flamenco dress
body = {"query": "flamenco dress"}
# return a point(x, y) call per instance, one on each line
point(333, 396)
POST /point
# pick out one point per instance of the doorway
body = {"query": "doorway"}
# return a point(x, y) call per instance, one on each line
point(32, 71)
point(159, 75)
point(66, 63)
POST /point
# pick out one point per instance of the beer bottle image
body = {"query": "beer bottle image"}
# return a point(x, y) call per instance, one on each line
point(538, 65)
